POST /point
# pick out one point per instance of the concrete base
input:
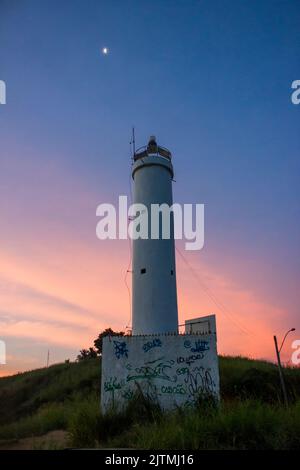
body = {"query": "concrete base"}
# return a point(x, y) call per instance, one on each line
point(172, 370)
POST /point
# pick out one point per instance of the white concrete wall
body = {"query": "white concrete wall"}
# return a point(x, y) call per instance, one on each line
point(172, 369)
point(154, 295)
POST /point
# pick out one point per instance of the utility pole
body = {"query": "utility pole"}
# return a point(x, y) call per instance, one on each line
point(282, 382)
point(48, 358)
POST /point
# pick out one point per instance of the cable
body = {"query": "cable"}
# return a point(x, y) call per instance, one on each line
point(129, 297)
point(213, 298)
point(128, 270)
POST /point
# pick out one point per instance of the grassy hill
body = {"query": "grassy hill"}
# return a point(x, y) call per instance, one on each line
point(65, 397)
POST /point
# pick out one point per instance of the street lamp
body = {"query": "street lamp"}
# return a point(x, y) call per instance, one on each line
point(280, 367)
point(292, 329)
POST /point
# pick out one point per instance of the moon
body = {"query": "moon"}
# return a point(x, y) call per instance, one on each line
point(105, 50)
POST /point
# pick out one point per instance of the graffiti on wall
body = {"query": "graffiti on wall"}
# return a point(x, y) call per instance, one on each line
point(172, 370)
point(120, 349)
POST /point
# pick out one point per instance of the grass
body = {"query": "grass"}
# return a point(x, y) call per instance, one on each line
point(23, 394)
point(244, 378)
point(46, 419)
point(244, 425)
point(67, 397)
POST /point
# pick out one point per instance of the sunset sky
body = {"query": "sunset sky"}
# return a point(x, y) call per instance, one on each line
point(212, 80)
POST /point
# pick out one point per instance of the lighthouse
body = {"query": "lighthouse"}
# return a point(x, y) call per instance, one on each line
point(133, 363)
point(154, 294)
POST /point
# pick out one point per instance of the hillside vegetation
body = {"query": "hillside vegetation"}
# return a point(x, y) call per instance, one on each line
point(67, 397)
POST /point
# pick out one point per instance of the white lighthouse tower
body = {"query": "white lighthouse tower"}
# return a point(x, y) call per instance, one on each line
point(154, 303)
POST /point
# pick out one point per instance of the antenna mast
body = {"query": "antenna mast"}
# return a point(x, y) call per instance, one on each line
point(133, 142)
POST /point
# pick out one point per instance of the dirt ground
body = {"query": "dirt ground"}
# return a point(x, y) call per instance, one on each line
point(52, 440)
